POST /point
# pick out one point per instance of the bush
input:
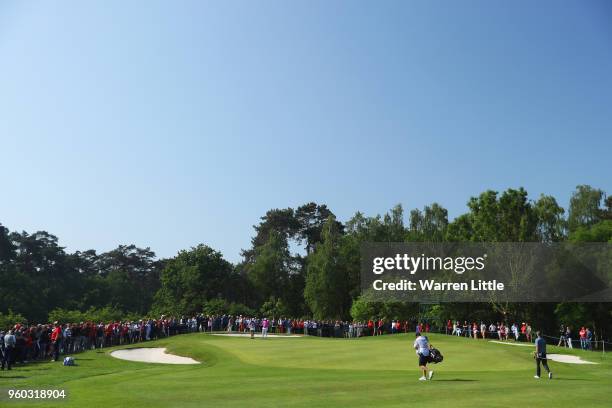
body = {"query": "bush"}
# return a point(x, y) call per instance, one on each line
point(215, 307)
point(236, 309)
point(363, 310)
point(11, 319)
point(105, 314)
point(274, 308)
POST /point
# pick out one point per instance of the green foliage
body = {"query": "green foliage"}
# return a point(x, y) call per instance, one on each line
point(600, 232)
point(269, 274)
point(191, 279)
point(274, 308)
point(105, 315)
point(572, 314)
point(584, 209)
point(326, 291)
point(215, 307)
point(10, 319)
point(509, 218)
point(236, 309)
point(221, 306)
point(551, 224)
point(430, 225)
point(38, 276)
point(363, 310)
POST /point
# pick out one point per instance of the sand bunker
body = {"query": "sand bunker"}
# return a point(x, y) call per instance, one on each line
point(560, 358)
point(152, 355)
point(258, 335)
point(566, 358)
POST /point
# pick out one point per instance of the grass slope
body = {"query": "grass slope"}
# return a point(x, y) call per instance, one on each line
point(312, 372)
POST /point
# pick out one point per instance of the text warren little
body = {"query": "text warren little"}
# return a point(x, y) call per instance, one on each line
point(432, 285)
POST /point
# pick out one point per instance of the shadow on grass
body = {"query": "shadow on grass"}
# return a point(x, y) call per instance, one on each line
point(454, 379)
point(13, 376)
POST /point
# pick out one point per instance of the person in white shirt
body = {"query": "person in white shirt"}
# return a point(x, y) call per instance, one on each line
point(492, 329)
point(422, 346)
point(515, 331)
point(9, 349)
point(251, 325)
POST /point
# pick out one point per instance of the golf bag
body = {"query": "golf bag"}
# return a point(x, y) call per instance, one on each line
point(68, 361)
point(435, 356)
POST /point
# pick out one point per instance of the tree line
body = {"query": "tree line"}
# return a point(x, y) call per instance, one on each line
point(301, 262)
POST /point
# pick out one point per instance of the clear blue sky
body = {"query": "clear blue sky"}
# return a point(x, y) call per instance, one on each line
point(170, 124)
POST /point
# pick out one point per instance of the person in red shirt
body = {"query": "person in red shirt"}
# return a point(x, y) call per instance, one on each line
point(108, 333)
point(56, 340)
point(583, 338)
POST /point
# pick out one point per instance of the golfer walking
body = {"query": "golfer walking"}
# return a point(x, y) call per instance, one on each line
point(421, 345)
point(540, 355)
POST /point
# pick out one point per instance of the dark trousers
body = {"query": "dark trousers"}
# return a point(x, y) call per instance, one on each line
point(7, 359)
point(42, 351)
point(544, 363)
point(56, 350)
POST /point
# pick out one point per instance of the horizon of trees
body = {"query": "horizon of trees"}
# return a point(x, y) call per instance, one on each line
point(39, 278)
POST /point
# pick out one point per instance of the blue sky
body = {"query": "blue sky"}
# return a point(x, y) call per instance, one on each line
point(167, 124)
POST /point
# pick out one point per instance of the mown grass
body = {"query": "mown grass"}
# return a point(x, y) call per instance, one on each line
point(318, 372)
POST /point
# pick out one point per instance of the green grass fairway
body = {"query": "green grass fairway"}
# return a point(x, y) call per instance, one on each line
point(313, 372)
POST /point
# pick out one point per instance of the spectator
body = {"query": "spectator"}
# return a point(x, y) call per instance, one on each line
point(9, 348)
point(568, 337)
point(583, 338)
point(56, 340)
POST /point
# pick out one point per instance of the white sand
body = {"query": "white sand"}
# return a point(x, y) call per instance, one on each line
point(560, 358)
point(258, 335)
point(152, 355)
point(512, 344)
point(565, 358)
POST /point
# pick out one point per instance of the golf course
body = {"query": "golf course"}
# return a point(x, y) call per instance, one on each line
point(313, 372)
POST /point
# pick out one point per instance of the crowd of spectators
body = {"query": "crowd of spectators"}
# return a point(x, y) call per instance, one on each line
point(566, 337)
point(23, 343)
point(519, 332)
point(494, 330)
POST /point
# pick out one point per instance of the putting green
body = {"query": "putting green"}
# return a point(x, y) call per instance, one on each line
point(312, 372)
